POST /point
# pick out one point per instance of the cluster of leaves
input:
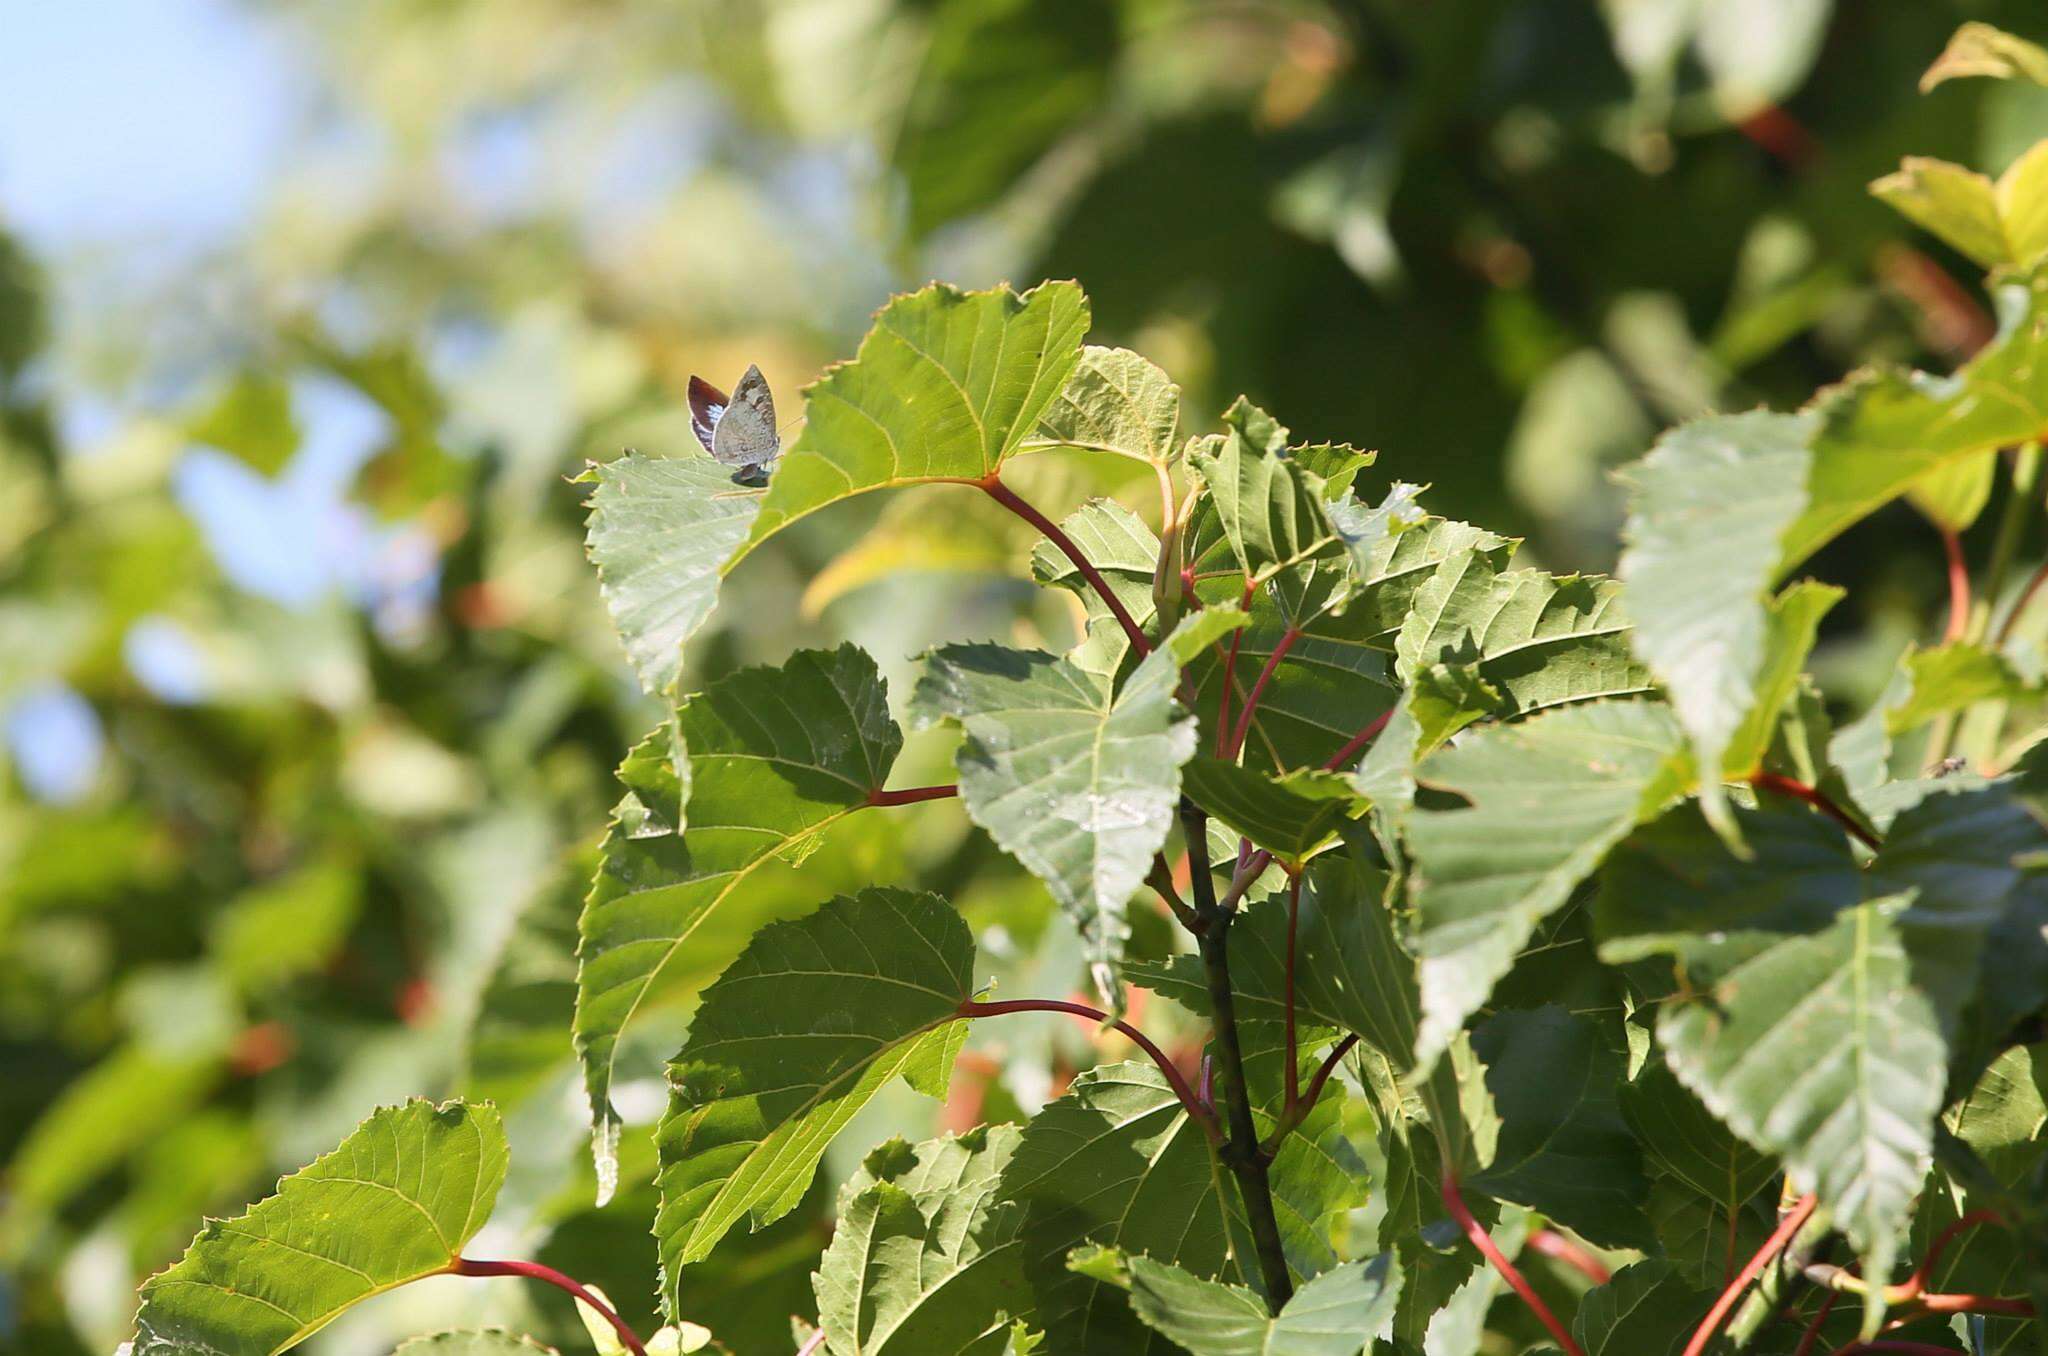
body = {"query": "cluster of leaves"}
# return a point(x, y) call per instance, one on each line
point(1526, 912)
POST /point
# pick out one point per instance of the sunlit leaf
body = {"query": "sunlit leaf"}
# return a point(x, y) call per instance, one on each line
point(776, 756)
point(797, 1035)
point(1116, 401)
point(1336, 1314)
point(925, 1257)
point(395, 1202)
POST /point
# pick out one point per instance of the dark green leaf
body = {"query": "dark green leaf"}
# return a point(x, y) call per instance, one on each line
point(794, 1038)
point(776, 756)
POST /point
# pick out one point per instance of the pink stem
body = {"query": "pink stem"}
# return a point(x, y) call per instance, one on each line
point(1358, 741)
point(1166, 1066)
point(534, 1271)
point(1776, 1243)
point(1251, 700)
point(1483, 1241)
point(993, 486)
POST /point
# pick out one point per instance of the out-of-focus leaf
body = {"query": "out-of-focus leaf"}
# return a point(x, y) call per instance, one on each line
point(1549, 797)
point(1673, 886)
point(794, 1038)
point(477, 1342)
point(1114, 1162)
point(776, 756)
point(1883, 429)
point(1001, 82)
point(661, 531)
point(923, 400)
point(1949, 678)
point(251, 420)
point(395, 1202)
point(1957, 204)
point(1076, 780)
point(516, 1042)
point(288, 927)
point(1338, 1313)
point(925, 1257)
point(1708, 508)
point(1980, 49)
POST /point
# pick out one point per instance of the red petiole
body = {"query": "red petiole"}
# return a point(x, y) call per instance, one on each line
point(534, 1271)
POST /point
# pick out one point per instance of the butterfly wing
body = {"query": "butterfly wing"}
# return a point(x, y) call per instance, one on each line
point(745, 436)
point(707, 405)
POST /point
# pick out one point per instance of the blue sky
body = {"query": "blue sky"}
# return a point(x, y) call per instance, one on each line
point(138, 120)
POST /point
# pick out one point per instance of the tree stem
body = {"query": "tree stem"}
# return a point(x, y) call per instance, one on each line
point(1775, 1244)
point(1483, 1241)
point(993, 486)
point(1201, 1114)
point(1958, 588)
point(1241, 1151)
point(1251, 700)
point(1819, 800)
point(1358, 741)
point(534, 1271)
point(912, 794)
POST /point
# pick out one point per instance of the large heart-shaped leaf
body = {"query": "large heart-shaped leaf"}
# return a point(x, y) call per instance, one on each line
point(776, 756)
point(947, 385)
point(794, 1038)
point(394, 1202)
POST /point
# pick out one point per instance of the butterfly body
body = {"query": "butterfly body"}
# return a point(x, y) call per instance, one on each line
point(737, 430)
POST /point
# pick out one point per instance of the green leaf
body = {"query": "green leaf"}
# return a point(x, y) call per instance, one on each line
point(1078, 781)
point(1291, 816)
point(1791, 622)
point(515, 1042)
point(252, 421)
point(925, 1257)
point(797, 1035)
point(776, 757)
point(661, 531)
point(1822, 1051)
point(923, 400)
point(1684, 1142)
point(1363, 981)
point(1980, 49)
point(1266, 508)
point(1549, 797)
point(1125, 553)
point(1114, 1162)
point(480, 1342)
point(395, 1202)
point(1882, 430)
point(1119, 402)
point(1957, 204)
point(1538, 640)
point(1336, 1314)
point(1646, 1310)
point(1708, 509)
point(1949, 678)
point(1673, 887)
point(1954, 496)
point(1563, 1148)
point(1001, 81)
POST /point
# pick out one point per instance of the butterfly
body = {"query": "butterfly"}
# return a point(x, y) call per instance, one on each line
point(738, 430)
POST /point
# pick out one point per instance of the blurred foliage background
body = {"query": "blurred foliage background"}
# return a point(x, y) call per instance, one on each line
point(310, 707)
